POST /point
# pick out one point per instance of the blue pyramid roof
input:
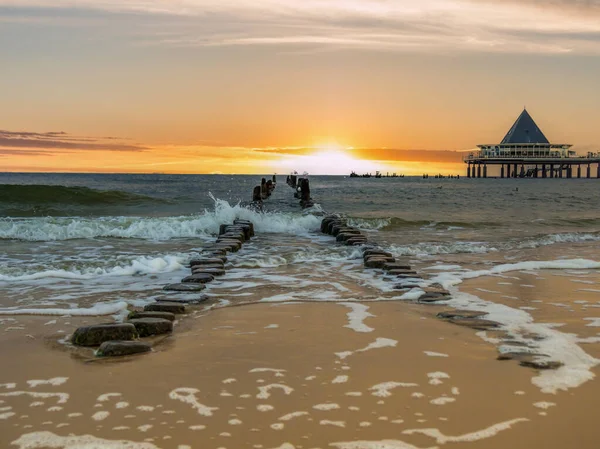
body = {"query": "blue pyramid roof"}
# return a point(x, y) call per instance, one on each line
point(525, 130)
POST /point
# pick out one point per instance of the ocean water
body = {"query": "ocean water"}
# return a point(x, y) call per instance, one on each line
point(95, 244)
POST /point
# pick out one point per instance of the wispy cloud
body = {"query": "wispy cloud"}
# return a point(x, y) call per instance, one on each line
point(526, 26)
point(31, 143)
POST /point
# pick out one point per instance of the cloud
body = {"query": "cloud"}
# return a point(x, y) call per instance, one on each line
point(526, 26)
point(23, 142)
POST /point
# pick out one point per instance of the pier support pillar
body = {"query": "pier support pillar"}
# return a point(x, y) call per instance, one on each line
point(560, 171)
point(598, 172)
point(485, 170)
point(468, 169)
point(544, 174)
point(502, 171)
point(535, 173)
point(579, 171)
point(515, 169)
point(589, 171)
point(569, 171)
point(479, 170)
point(552, 170)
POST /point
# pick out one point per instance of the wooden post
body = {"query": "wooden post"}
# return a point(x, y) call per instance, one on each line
point(516, 168)
point(485, 170)
point(544, 174)
point(502, 171)
point(598, 172)
point(560, 171)
point(589, 171)
point(479, 170)
point(579, 171)
point(552, 170)
point(468, 169)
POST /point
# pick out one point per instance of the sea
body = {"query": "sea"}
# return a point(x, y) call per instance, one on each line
point(97, 244)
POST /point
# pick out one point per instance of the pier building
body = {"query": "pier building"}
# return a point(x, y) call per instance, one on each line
point(525, 152)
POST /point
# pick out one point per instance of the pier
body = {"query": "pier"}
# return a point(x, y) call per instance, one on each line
point(525, 152)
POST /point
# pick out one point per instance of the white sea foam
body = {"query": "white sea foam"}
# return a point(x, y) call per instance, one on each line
point(62, 398)
point(560, 347)
point(140, 265)
point(106, 396)
point(100, 309)
point(377, 344)
point(292, 415)
point(383, 389)
point(340, 380)
point(357, 316)
point(468, 437)
point(278, 372)
point(264, 391)
point(435, 354)
point(442, 400)
point(188, 396)
point(326, 407)
point(37, 440)
point(326, 422)
point(382, 444)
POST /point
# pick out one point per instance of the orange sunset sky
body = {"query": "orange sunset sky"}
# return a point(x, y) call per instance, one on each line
point(261, 86)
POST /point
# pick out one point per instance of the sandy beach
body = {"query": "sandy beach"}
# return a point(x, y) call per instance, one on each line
point(373, 375)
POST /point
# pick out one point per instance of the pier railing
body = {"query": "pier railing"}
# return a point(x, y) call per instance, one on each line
point(527, 154)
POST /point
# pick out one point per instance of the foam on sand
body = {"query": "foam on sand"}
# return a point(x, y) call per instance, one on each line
point(292, 415)
point(97, 310)
point(559, 347)
point(377, 344)
point(264, 390)
point(40, 440)
point(188, 396)
point(434, 354)
point(382, 390)
point(383, 444)
point(62, 397)
point(357, 316)
point(340, 380)
point(326, 407)
point(468, 437)
point(278, 372)
point(54, 382)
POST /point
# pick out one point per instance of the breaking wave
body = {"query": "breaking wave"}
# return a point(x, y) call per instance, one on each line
point(154, 228)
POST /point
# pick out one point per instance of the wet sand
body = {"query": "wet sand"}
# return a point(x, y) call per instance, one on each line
point(308, 375)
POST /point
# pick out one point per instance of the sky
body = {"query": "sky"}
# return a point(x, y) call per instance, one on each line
point(263, 86)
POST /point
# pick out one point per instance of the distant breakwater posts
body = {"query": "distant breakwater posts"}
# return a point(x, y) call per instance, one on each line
point(147, 327)
point(301, 186)
point(525, 152)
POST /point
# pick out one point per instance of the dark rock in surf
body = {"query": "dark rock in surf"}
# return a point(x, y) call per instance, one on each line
point(207, 267)
point(397, 266)
point(147, 327)
point(375, 262)
point(376, 252)
point(207, 261)
point(170, 307)
point(206, 270)
point(99, 333)
point(541, 364)
point(198, 279)
point(163, 315)
point(475, 323)
point(192, 300)
point(460, 314)
point(409, 273)
point(121, 348)
point(184, 288)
